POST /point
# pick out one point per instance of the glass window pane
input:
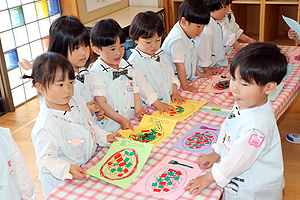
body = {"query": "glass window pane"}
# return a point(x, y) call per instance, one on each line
point(18, 95)
point(27, 72)
point(13, 3)
point(24, 52)
point(33, 31)
point(53, 17)
point(26, 1)
point(14, 77)
point(29, 90)
point(53, 7)
point(45, 42)
point(29, 13)
point(7, 40)
point(36, 48)
point(5, 21)
point(11, 59)
point(17, 18)
point(41, 9)
point(21, 36)
point(44, 27)
point(3, 4)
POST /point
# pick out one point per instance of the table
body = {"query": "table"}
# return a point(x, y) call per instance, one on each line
point(125, 16)
point(92, 188)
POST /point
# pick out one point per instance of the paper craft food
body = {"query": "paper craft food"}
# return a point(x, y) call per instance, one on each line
point(181, 112)
point(152, 129)
point(168, 178)
point(198, 139)
point(120, 165)
point(220, 83)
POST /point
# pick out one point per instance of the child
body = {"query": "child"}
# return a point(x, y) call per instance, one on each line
point(115, 87)
point(229, 21)
point(64, 135)
point(248, 145)
point(215, 36)
point(179, 45)
point(15, 182)
point(293, 35)
point(70, 38)
point(146, 30)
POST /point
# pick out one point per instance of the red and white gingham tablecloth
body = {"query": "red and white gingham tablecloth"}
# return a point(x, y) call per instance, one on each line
point(93, 188)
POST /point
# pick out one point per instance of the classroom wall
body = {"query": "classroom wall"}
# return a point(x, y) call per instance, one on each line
point(78, 8)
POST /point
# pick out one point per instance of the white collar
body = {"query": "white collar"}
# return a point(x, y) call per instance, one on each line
point(146, 56)
point(124, 64)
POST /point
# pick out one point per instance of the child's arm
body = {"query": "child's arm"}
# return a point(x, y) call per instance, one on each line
point(182, 78)
point(200, 183)
point(246, 38)
point(139, 111)
point(47, 160)
point(111, 113)
point(293, 35)
point(23, 174)
point(236, 45)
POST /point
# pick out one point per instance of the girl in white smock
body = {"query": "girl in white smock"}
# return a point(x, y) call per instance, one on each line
point(64, 135)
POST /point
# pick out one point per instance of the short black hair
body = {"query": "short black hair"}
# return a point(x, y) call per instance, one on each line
point(194, 11)
point(217, 4)
point(105, 33)
point(45, 67)
point(66, 33)
point(145, 25)
point(260, 62)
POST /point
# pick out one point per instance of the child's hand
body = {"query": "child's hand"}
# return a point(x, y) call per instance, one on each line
point(143, 112)
point(113, 137)
point(199, 183)
point(292, 34)
point(77, 172)
point(190, 88)
point(92, 107)
point(125, 124)
point(99, 112)
point(206, 161)
point(178, 98)
point(162, 106)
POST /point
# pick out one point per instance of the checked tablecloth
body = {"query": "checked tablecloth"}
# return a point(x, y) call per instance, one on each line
point(92, 188)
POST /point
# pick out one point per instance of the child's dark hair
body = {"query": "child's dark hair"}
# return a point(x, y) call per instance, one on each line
point(67, 33)
point(45, 67)
point(105, 33)
point(194, 11)
point(217, 4)
point(145, 25)
point(260, 62)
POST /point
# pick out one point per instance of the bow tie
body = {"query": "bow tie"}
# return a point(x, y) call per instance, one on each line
point(117, 74)
point(157, 59)
point(80, 78)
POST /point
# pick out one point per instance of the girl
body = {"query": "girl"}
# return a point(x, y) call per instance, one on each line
point(146, 30)
point(70, 38)
point(117, 93)
point(64, 135)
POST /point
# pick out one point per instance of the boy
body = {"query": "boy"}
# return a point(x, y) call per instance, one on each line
point(248, 145)
point(15, 182)
point(215, 37)
point(293, 35)
point(179, 45)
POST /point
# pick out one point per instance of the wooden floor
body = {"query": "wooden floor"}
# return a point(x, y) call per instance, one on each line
point(22, 120)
